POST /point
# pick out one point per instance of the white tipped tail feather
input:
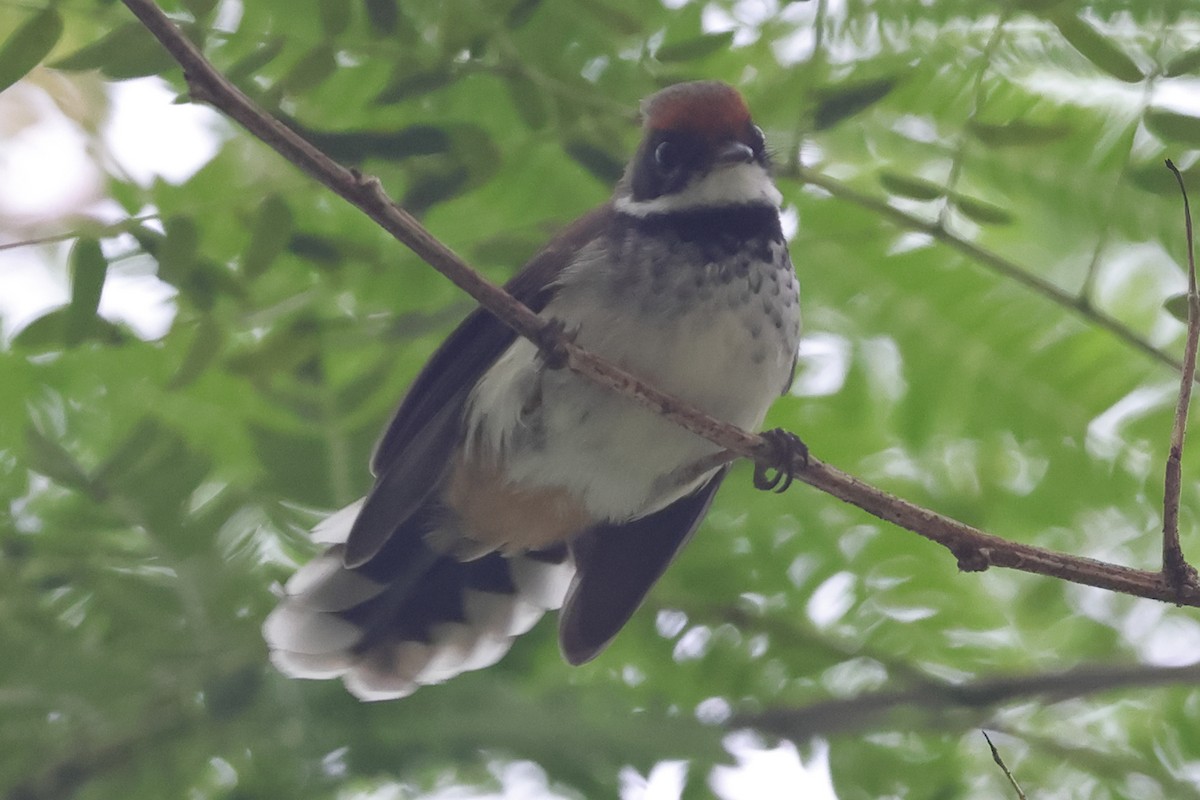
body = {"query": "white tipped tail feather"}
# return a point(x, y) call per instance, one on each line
point(379, 634)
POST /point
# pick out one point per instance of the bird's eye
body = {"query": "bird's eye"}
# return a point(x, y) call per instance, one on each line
point(758, 140)
point(666, 156)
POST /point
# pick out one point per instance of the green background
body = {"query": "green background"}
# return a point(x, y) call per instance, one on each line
point(987, 244)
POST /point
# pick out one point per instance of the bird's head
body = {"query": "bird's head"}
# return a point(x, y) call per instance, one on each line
point(700, 149)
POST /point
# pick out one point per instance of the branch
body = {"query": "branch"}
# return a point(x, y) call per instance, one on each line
point(843, 715)
point(974, 549)
point(1175, 567)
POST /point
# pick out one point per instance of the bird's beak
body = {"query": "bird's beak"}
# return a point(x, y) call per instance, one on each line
point(734, 152)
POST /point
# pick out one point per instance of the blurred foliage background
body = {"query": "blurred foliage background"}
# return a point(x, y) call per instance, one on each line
point(988, 246)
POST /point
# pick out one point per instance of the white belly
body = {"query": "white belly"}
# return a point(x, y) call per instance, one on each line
point(554, 428)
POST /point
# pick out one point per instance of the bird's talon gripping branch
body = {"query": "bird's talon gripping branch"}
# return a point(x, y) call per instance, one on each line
point(971, 559)
point(551, 341)
point(786, 450)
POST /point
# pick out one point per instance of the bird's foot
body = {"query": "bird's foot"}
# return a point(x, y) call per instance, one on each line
point(786, 451)
point(552, 341)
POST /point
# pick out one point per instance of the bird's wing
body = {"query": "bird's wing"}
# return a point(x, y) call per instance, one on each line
point(617, 564)
point(411, 458)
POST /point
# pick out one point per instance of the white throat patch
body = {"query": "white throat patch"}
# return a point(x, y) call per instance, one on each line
point(739, 184)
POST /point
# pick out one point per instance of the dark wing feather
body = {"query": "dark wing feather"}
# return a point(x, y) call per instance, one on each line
point(617, 564)
point(411, 458)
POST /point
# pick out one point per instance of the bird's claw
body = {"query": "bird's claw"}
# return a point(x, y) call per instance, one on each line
point(551, 342)
point(786, 450)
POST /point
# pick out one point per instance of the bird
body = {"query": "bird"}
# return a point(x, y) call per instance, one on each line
point(505, 488)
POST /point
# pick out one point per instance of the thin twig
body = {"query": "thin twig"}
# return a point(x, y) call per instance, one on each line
point(1000, 762)
point(1175, 567)
point(996, 263)
point(964, 137)
point(947, 702)
point(1107, 766)
point(974, 549)
point(87, 229)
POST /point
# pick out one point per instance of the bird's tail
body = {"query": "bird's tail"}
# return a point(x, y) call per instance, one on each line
point(410, 616)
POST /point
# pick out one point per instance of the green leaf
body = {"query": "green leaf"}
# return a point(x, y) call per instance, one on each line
point(230, 694)
point(28, 45)
point(88, 270)
point(48, 333)
point(1177, 306)
point(520, 13)
point(1154, 177)
point(382, 16)
point(1098, 48)
point(528, 100)
point(44, 334)
point(507, 247)
point(311, 70)
point(474, 148)
point(287, 458)
point(201, 353)
point(208, 281)
point(838, 103)
point(199, 280)
point(406, 83)
point(130, 51)
point(134, 451)
point(1041, 7)
point(607, 167)
point(384, 19)
point(981, 211)
point(176, 253)
point(282, 350)
point(149, 239)
point(1017, 133)
point(52, 460)
point(908, 186)
point(462, 27)
point(156, 473)
point(269, 237)
point(1184, 63)
point(319, 249)
point(924, 190)
point(1181, 128)
point(200, 8)
point(435, 182)
point(256, 59)
point(613, 18)
point(695, 48)
point(354, 147)
point(335, 16)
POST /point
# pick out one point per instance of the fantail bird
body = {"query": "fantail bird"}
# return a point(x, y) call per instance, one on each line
point(505, 488)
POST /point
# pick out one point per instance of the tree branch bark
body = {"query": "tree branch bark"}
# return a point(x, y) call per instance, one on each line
point(974, 549)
